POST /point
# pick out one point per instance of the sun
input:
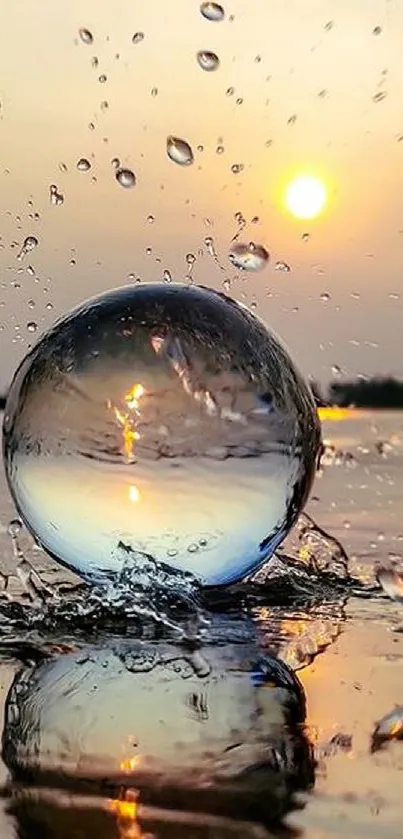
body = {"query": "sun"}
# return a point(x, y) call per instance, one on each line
point(306, 196)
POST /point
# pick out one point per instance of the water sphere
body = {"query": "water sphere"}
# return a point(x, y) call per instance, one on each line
point(162, 420)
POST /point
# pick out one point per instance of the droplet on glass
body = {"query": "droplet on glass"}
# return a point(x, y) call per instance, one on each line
point(306, 237)
point(377, 30)
point(179, 151)
point(212, 11)
point(207, 60)
point(292, 119)
point(249, 257)
point(167, 276)
point(62, 167)
point(83, 165)
point(220, 150)
point(138, 37)
point(236, 168)
point(230, 91)
point(282, 266)
point(32, 326)
point(125, 177)
point(150, 219)
point(104, 105)
point(86, 36)
point(94, 62)
point(154, 91)
point(325, 297)
point(329, 25)
point(115, 162)
point(159, 390)
point(102, 78)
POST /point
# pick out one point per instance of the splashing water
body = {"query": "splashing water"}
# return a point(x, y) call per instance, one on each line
point(139, 424)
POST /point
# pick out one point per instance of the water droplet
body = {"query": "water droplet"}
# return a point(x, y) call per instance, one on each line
point(56, 198)
point(179, 151)
point(167, 276)
point(282, 266)
point(292, 119)
point(230, 91)
point(102, 78)
point(380, 96)
point(86, 36)
point(207, 60)
point(377, 30)
point(212, 11)
point(14, 528)
point(115, 162)
point(104, 105)
point(154, 91)
point(31, 304)
point(150, 219)
point(32, 326)
point(126, 178)
point(94, 62)
point(306, 237)
point(249, 257)
point(83, 165)
point(239, 100)
point(236, 168)
point(29, 244)
point(220, 150)
point(336, 370)
point(138, 37)
point(325, 297)
point(157, 395)
point(329, 25)
point(62, 167)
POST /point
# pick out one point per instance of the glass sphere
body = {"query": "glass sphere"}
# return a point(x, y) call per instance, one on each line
point(165, 420)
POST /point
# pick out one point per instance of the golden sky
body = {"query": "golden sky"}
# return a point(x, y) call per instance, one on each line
point(314, 89)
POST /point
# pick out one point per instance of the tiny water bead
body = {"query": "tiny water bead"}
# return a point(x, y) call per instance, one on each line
point(207, 60)
point(83, 165)
point(155, 418)
point(179, 151)
point(249, 257)
point(212, 11)
point(86, 36)
point(125, 177)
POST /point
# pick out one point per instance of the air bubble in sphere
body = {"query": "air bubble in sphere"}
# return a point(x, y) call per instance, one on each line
point(163, 420)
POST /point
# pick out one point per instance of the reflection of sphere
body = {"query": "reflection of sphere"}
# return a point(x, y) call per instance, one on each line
point(166, 419)
point(213, 730)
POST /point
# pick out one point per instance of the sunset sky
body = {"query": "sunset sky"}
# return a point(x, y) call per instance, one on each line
point(303, 86)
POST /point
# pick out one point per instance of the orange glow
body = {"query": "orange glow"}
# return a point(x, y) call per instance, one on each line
point(129, 764)
point(134, 494)
point(126, 420)
point(124, 809)
point(337, 414)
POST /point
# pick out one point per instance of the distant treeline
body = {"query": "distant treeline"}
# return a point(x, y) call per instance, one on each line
point(378, 392)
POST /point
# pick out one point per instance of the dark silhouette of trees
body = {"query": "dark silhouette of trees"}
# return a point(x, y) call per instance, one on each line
point(379, 392)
